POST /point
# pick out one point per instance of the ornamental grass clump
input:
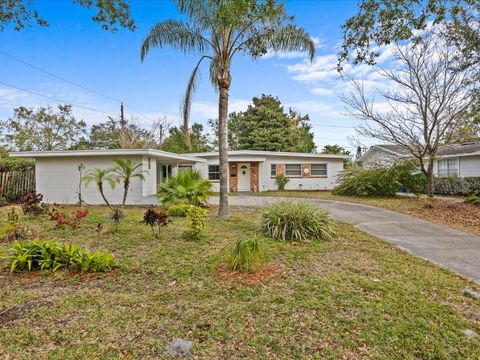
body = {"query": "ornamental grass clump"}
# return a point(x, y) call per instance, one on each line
point(247, 255)
point(297, 221)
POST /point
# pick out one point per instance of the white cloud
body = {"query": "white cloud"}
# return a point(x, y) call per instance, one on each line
point(322, 91)
point(293, 54)
point(209, 110)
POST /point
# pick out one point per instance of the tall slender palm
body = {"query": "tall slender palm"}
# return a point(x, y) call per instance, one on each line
point(218, 30)
point(125, 171)
point(100, 176)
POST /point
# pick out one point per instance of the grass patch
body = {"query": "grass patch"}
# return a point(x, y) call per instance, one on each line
point(352, 297)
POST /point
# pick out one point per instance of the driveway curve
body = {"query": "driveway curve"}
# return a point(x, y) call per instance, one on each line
point(453, 249)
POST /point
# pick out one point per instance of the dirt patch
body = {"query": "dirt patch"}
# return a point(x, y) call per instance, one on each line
point(261, 275)
point(14, 313)
point(458, 215)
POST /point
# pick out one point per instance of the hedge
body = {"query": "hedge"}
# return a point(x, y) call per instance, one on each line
point(456, 186)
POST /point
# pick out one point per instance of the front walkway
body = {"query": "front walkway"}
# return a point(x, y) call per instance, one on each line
point(453, 249)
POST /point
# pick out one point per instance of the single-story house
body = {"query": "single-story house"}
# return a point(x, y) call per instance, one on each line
point(461, 160)
point(58, 177)
point(256, 170)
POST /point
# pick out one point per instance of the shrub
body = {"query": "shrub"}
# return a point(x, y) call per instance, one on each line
point(116, 215)
point(51, 256)
point(454, 185)
point(296, 221)
point(187, 187)
point(247, 255)
point(155, 218)
point(32, 203)
point(197, 223)
point(13, 164)
point(281, 182)
point(367, 182)
point(472, 185)
point(73, 220)
point(382, 181)
point(13, 229)
point(472, 199)
point(179, 210)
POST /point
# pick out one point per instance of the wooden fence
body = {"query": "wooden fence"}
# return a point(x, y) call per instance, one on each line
point(16, 183)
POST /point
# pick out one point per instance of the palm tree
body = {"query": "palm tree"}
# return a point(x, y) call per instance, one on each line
point(218, 30)
point(125, 171)
point(99, 177)
point(187, 187)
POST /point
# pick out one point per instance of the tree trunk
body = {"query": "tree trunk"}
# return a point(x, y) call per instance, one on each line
point(186, 134)
point(223, 149)
point(430, 178)
point(100, 189)
point(126, 185)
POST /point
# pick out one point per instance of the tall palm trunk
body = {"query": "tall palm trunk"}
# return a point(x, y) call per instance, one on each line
point(186, 135)
point(126, 185)
point(100, 189)
point(223, 149)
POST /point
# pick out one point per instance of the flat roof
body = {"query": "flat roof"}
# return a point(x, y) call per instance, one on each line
point(273, 153)
point(105, 152)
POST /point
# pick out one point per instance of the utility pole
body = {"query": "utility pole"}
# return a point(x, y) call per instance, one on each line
point(122, 117)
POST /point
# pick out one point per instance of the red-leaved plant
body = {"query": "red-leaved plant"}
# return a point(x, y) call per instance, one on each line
point(73, 220)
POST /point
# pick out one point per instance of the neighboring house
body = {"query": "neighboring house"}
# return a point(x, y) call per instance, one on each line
point(462, 160)
point(57, 175)
point(383, 155)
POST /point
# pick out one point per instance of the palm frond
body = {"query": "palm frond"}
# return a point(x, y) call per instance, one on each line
point(200, 12)
point(214, 73)
point(188, 96)
point(175, 33)
point(291, 38)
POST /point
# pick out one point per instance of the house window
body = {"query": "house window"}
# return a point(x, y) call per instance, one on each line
point(213, 172)
point(319, 169)
point(293, 169)
point(273, 170)
point(448, 167)
point(184, 167)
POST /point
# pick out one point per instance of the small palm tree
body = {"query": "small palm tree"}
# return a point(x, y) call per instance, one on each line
point(125, 171)
point(187, 187)
point(218, 30)
point(100, 176)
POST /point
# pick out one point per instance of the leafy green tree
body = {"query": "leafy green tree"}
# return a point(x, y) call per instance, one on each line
point(42, 129)
point(112, 135)
point(266, 126)
point(301, 133)
point(469, 131)
point(110, 14)
point(126, 170)
point(100, 176)
point(335, 149)
point(218, 31)
point(175, 141)
point(381, 22)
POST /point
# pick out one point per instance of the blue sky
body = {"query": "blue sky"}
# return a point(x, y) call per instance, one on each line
point(77, 49)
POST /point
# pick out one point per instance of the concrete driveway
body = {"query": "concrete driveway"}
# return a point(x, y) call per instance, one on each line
point(453, 249)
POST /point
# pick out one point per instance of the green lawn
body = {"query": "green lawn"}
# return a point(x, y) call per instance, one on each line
point(355, 297)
